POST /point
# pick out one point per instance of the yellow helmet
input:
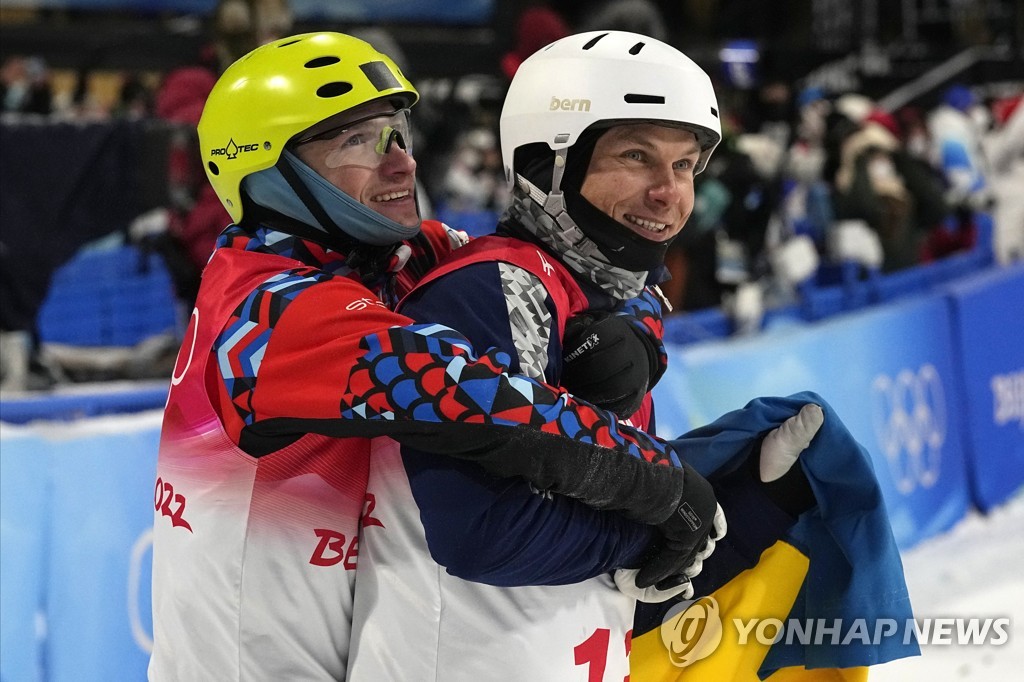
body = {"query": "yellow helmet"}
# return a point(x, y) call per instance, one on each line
point(279, 90)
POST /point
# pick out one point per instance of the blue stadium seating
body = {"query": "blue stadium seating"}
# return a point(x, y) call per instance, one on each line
point(842, 287)
point(699, 325)
point(473, 223)
point(108, 297)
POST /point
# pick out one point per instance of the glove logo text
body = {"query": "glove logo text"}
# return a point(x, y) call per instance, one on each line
point(588, 344)
point(689, 516)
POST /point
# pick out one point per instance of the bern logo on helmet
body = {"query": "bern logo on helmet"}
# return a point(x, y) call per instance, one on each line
point(570, 104)
point(232, 150)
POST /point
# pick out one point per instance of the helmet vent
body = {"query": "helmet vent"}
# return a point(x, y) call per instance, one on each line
point(644, 99)
point(321, 61)
point(213, 168)
point(714, 112)
point(380, 76)
point(635, 50)
point(290, 42)
point(593, 41)
point(333, 89)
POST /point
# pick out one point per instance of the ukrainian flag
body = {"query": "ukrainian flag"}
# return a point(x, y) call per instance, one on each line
point(835, 574)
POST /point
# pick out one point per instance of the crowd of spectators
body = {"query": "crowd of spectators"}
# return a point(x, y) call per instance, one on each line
point(804, 177)
point(808, 179)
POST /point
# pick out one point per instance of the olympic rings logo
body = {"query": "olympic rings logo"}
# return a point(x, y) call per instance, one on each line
point(138, 588)
point(909, 415)
point(193, 324)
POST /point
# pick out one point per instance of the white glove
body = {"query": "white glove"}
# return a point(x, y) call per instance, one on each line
point(718, 530)
point(779, 451)
point(782, 446)
point(456, 238)
point(625, 578)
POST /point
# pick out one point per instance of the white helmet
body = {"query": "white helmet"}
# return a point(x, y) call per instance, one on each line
point(603, 77)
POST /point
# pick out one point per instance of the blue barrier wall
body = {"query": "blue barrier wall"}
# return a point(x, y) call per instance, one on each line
point(76, 506)
point(24, 512)
point(932, 385)
point(988, 318)
point(129, 397)
point(889, 371)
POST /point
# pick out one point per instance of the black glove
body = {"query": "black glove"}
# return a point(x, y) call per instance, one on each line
point(688, 535)
point(607, 362)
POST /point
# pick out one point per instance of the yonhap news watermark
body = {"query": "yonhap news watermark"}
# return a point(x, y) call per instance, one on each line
point(693, 630)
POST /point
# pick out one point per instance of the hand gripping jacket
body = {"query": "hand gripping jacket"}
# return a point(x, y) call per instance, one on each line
point(292, 378)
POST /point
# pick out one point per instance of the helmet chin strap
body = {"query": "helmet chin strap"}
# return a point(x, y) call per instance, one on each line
point(554, 201)
point(602, 234)
point(341, 240)
point(351, 217)
point(289, 193)
point(555, 195)
point(554, 205)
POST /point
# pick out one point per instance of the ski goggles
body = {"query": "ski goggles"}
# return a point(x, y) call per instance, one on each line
point(364, 142)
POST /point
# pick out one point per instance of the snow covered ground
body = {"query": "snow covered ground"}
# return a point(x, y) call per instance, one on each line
point(976, 570)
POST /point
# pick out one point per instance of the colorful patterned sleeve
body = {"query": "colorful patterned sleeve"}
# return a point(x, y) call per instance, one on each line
point(529, 537)
point(362, 370)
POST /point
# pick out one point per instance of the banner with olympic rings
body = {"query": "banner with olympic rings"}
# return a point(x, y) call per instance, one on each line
point(891, 374)
point(988, 317)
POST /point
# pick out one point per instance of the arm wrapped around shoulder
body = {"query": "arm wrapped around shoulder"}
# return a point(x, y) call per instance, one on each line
point(678, 501)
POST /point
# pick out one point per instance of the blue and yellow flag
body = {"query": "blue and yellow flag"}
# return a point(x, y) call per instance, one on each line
point(823, 601)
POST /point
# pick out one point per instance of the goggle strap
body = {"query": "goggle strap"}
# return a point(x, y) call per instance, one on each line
point(309, 201)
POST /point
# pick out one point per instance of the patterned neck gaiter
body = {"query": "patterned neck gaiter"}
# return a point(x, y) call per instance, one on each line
point(574, 248)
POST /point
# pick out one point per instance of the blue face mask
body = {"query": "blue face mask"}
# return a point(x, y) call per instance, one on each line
point(270, 189)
